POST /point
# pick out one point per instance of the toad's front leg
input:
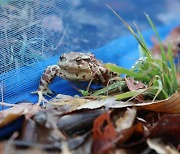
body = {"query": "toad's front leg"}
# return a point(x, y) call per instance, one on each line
point(46, 78)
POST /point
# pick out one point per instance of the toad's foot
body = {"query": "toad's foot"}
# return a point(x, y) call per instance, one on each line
point(41, 94)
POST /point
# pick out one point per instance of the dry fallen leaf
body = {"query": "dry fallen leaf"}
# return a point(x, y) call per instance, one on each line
point(94, 104)
point(127, 120)
point(167, 128)
point(170, 105)
point(128, 133)
point(104, 134)
point(133, 85)
point(160, 147)
point(66, 103)
point(8, 115)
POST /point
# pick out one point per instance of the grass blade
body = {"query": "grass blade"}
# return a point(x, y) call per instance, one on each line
point(111, 87)
point(129, 94)
point(173, 67)
point(146, 52)
point(131, 73)
point(163, 55)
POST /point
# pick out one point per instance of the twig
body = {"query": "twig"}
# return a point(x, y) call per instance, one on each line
point(2, 94)
point(6, 104)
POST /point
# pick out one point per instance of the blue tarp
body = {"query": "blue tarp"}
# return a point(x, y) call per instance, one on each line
point(123, 51)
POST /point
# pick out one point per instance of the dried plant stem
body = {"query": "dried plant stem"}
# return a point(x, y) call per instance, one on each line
point(6, 104)
point(2, 94)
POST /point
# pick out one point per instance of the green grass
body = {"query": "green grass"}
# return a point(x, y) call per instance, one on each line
point(158, 75)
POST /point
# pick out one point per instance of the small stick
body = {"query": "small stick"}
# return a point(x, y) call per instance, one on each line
point(2, 94)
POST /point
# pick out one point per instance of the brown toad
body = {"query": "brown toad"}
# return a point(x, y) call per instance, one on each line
point(74, 66)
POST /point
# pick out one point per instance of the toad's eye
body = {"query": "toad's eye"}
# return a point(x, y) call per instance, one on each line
point(87, 59)
point(61, 58)
point(78, 61)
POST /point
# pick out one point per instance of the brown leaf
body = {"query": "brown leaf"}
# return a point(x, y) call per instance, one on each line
point(133, 85)
point(28, 130)
point(9, 118)
point(8, 115)
point(170, 105)
point(127, 120)
point(66, 103)
point(126, 134)
point(103, 133)
point(41, 131)
point(46, 128)
point(94, 104)
point(167, 128)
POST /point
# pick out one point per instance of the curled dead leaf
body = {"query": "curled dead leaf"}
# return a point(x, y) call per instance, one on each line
point(170, 105)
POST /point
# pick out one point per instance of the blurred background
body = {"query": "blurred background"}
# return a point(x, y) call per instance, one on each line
point(33, 33)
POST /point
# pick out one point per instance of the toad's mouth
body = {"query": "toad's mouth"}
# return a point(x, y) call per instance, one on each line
point(74, 67)
point(75, 70)
point(72, 74)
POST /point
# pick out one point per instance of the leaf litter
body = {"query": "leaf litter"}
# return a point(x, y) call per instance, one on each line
point(138, 114)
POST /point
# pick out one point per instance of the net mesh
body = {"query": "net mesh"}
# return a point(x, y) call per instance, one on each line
point(33, 33)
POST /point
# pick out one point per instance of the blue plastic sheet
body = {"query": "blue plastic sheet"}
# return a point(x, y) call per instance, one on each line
point(123, 51)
